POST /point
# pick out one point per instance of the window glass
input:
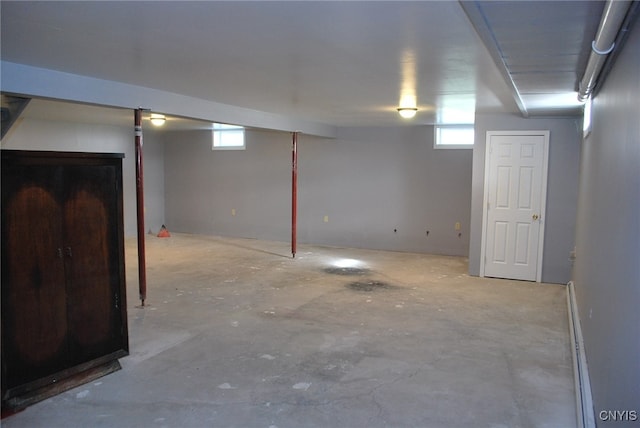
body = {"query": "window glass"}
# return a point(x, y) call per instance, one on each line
point(228, 137)
point(454, 136)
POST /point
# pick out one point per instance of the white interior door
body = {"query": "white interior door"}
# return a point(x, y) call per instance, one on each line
point(515, 194)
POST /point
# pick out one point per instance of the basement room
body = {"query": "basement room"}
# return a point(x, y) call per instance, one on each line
point(320, 214)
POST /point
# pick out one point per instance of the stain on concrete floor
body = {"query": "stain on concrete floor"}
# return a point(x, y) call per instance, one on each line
point(370, 285)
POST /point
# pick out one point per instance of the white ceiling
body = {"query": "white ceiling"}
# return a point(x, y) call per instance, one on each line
point(339, 63)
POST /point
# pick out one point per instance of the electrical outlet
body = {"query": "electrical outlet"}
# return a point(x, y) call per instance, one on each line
point(326, 219)
point(233, 212)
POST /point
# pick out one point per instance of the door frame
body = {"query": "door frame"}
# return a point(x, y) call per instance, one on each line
point(543, 196)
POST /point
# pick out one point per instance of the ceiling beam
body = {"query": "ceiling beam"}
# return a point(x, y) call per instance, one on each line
point(44, 83)
point(480, 24)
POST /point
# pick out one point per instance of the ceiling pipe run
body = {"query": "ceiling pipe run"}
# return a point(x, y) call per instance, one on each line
point(613, 16)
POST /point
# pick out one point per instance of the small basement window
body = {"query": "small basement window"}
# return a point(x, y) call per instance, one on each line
point(453, 137)
point(228, 137)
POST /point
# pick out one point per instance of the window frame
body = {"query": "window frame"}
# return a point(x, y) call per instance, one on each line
point(219, 129)
point(440, 146)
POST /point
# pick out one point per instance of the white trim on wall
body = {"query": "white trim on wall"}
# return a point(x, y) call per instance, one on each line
point(584, 401)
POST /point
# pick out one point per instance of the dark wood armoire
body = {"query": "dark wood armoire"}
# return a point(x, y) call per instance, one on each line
point(64, 319)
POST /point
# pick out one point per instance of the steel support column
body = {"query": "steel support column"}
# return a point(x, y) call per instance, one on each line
point(294, 192)
point(142, 268)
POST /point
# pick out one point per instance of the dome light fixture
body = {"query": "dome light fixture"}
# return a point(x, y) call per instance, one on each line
point(407, 112)
point(157, 119)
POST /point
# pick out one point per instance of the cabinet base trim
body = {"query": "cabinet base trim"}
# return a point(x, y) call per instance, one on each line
point(20, 402)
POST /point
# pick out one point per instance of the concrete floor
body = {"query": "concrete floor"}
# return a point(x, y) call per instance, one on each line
point(239, 334)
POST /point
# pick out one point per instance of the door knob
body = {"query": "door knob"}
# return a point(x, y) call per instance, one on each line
point(535, 217)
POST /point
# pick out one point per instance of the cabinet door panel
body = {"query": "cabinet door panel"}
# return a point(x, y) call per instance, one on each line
point(34, 303)
point(63, 284)
point(91, 238)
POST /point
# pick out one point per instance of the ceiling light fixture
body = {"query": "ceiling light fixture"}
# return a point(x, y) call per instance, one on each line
point(407, 112)
point(157, 119)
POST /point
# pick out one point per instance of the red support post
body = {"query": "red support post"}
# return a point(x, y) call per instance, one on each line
point(294, 192)
point(142, 269)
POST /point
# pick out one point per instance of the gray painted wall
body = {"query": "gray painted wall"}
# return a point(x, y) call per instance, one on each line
point(562, 188)
point(367, 182)
point(607, 268)
point(203, 186)
point(372, 181)
point(36, 134)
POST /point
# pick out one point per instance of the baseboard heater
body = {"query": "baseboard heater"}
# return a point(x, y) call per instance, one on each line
point(584, 401)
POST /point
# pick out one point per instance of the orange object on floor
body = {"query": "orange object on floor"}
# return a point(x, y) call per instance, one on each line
point(164, 233)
